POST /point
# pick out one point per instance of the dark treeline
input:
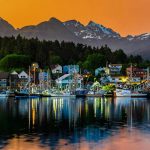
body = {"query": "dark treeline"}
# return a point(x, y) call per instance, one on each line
point(48, 52)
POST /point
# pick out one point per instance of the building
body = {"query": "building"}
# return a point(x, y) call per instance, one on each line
point(4, 80)
point(68, 79)
point(114, 69)
point(99, 70)
point(14, 80)
point(114, 79)
point(43, 76)
point(56, 69)
point(71, 69)
point(23, 75)
point(136, 73)
point(23, 78)
point(118, 79)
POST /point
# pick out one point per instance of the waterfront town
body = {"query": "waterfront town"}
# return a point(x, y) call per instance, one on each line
point(75, 75)
point(70, 80)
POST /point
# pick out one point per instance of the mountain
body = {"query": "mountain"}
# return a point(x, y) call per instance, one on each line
point(97, 35)
point(52, 29)
point(6, 29)
point(91, 31)
point(91, 34)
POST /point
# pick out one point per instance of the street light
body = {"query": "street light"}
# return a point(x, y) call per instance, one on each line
point(34, 67)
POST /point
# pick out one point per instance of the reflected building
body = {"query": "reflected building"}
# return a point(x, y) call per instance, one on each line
point(52, 119)
point(76, 112)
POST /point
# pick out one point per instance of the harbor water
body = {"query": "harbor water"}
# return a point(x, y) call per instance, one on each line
point(75, 124)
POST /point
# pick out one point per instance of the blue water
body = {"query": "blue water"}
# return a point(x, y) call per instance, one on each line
point(78, 124)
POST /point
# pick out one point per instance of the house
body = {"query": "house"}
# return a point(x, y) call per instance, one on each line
point(71, 69)
point(135, 72)
point(23, 75)
point(118, 79)
point(69, 79)
point(56, 69)
point(14, 80)
point(114, 79)
point(4, 79)
point(23, 78)
point(114, 69)
point(99, 70)
point(43, 76)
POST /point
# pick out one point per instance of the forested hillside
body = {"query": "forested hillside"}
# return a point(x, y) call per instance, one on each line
point(47, 53)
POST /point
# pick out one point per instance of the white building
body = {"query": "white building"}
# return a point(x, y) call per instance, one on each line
point(67, 79)
point(23, 78)
point(14, 73)
point(115, 79)
point(118, 79)
point(114, 69)
point(23, 75)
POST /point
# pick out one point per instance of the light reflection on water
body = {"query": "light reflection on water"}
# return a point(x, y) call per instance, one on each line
point(64, 123)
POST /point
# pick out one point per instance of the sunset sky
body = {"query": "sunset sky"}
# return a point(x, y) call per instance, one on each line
point(124, 16)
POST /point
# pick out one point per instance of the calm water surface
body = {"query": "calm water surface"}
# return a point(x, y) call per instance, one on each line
point(75, 124)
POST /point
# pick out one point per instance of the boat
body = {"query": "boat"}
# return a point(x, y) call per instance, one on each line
point(98, 93)
point(138, 94)
point(108, 94)
point(80, 92)
point(46, 93)
point(128, 93)
point(25, 93)
point(22, 93)
point(96, 90)
point(4, 94)
point(122, 93)
point(58, 93)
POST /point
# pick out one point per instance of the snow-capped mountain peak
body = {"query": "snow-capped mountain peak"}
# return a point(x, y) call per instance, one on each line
point(74, 26)
point(98, 27)
point(141, 37)
point(106, 32)
point(90, 31)
point(93, 34)
point(73, 23)
point(144, 36)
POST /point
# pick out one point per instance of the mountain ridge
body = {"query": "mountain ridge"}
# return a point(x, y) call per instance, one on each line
point(92, 34)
